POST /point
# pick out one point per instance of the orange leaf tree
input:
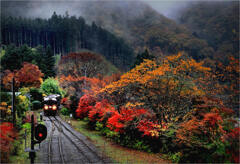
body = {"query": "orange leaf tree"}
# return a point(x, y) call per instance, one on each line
point(7, 79)
point(167, 86)
point(229, 76)
point(28, 75)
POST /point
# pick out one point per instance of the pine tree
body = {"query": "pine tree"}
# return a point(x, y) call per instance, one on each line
point(140, 57)
point(49, 62)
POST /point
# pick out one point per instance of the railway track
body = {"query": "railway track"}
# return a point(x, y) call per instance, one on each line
point(50, 152)
point(65, 145)
point(50, 145)
point(82, 141)
point(90, 155)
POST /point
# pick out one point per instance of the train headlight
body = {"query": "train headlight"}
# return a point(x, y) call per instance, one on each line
point(54, 107)
point(45, 107)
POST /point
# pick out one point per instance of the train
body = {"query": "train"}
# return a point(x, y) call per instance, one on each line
point(51, 104)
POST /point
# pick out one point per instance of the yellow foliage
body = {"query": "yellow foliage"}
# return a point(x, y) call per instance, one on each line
point(22, 98)
point(154, 133)
point(133, 105)
point(9, 112)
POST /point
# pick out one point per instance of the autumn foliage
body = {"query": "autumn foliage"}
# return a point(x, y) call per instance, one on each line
point(165, 87)
point(28, 75)
point(120, 121)
point(7, 137)
point(208, 128)
point(173, 101)
point(85, 105)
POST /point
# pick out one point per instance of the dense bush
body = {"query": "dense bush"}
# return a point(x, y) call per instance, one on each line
point(36, 105)
point(24, 90)
point(22, 105)
point(5, 106)
point(5, 111)
point(65, 111)
point(36, 94)
point(85, 105)
point(7, 136)
point(51, 86)
point(208, 128)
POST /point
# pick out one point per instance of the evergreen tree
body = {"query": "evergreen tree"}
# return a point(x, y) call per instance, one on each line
point(49, 62)
point(140, 58)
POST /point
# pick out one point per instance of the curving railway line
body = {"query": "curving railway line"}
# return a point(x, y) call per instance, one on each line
point(65, 145)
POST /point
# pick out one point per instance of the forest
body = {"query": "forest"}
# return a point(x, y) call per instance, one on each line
point(166, 87)
point(65, 34)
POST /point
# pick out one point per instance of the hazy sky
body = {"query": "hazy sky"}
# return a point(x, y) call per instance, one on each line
point(165, 7)
point(170, 7)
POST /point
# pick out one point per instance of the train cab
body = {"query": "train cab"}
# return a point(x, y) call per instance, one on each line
point(51, 104)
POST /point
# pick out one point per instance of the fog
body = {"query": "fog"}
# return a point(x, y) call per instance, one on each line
point(45, 8)
point(90, 9)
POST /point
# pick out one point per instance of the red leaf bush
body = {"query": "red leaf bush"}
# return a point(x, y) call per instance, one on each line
point(121, 120)
point(66, 102)
point(85, 106)
point(150, 128)
point(233, 149)
point(7, 136)
point(209, 129)
point(116, 122)
point(100, 110)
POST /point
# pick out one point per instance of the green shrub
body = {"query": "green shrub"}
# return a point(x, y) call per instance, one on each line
point(22, 105)
point(140, 145)
point(105, 131)
point(65, 111)
point(51, 86)
point(24, 90)
point(36, 94)
point(99, 126)
point(175, 157)
point(36, 105)
point(27, 127)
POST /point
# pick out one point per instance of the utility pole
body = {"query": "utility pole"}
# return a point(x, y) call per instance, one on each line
point(32, 152)
point(13, 102)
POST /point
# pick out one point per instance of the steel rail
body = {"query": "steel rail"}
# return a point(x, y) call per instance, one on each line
point(69, 138)
point(79, 139)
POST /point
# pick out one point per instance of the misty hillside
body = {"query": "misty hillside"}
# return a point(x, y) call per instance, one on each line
point(135, 21)
point(217, 23)
point(143, 27)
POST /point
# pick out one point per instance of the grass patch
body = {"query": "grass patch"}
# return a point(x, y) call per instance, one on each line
point(118, 154)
